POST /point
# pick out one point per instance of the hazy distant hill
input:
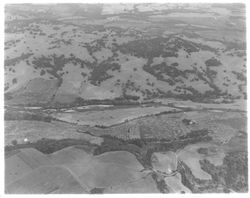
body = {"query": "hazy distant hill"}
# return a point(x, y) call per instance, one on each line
point(61, 53)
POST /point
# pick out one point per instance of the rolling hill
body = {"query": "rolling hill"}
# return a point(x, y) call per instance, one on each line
point(125, 98)
point(68, 53)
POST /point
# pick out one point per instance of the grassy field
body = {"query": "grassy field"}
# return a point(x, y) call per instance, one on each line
point(73, 170)
point(238, 105)
point(152, 144)
point(164, 162)
point(171, 126)
point(175, 184)
point(36, 130)
point(110, 117)
point(46, 180)
point(190, 156)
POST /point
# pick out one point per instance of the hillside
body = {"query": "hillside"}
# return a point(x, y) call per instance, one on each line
point(125, 98)
point(65, 54)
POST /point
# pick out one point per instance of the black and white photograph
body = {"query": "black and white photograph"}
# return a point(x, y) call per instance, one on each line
point(125, 98)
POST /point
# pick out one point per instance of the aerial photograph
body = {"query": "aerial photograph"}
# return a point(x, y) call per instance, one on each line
point(125, 98)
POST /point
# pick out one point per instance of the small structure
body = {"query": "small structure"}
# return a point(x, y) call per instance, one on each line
point(26, 140)
point(188, 121)
point(133, 132)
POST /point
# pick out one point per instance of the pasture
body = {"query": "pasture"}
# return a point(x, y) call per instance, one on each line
point(72, 170)
point(110, 117)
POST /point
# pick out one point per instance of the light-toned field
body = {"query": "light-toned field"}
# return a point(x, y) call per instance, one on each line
point(175, 185)
point(164, 162)
point(44, 180)
point(142, 185)
point(35, 130)
point(240, 105)
point(16, 169)
point(104, 171)
point(23, 162)
point(72, 170)
point(190, 156)
point(110, 117)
